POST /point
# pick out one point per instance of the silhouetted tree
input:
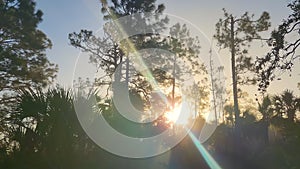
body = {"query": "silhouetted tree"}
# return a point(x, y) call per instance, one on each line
point(198, 95)
point(108, 55)
point(186, 50)
point(213, 86)
point(235, 34)
point(267, 110)
point(287, 104)
point(220, 91)
point(23, 62)
point(283, 53)
point(45, 132)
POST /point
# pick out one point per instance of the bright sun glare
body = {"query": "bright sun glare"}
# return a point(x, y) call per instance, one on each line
point(177, 116)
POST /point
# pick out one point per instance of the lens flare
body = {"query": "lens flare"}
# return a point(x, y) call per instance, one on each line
point(207, 157)
point(176, 116)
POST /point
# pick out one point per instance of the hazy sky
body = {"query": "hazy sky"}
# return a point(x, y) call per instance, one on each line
point(62, 17)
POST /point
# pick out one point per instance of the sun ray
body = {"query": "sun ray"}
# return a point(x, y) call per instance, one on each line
point(205, 154)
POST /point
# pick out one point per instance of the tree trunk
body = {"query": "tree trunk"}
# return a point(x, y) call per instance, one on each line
point(213, 86)
point(234, 76)
point(117, 77)
point(173, 84)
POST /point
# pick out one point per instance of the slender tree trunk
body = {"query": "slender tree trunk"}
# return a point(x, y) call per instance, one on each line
point(237, 132)
point(173, 84)
point(118, 72)
point(234, 76)
point(213, 86)
point(221, 101)
point(117, 75)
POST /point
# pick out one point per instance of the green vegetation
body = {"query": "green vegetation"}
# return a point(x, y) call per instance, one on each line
point(39, 127)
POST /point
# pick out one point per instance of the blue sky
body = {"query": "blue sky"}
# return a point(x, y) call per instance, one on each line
point(62, 17)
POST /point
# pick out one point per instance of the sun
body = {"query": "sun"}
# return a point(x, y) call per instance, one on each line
point(177, 116)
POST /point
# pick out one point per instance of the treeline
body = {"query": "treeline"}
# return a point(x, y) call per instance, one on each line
point(44, 132)
point(272, 141)
point(39, 126)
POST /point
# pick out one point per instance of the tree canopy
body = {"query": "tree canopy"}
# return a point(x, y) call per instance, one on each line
point(23, 62)
point(236, 34)
point(283, 54)
point(47, 128)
